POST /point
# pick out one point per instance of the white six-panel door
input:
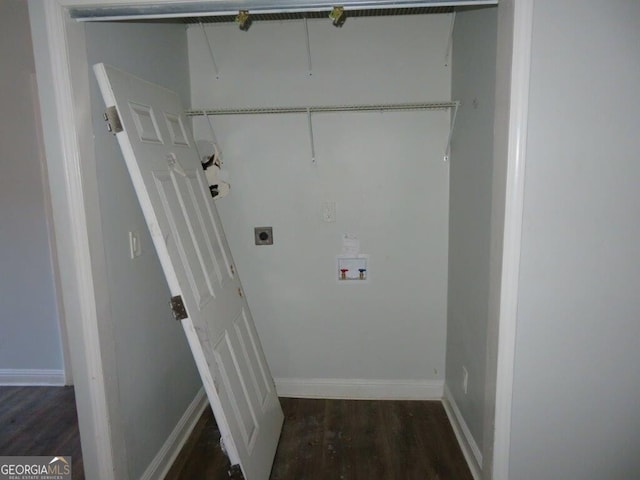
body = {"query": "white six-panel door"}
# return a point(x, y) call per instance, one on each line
point(160, 154)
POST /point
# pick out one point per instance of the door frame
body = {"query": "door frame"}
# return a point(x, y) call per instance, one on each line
point(53, 260)
point(515, 28)
point(61, 65)
point(63, 83)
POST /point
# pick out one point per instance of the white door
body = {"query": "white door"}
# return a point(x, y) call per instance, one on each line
point(167, 174)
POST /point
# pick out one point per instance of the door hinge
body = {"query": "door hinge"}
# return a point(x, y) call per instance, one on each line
point(235, 473)
point(114, 125)
point(177, 308)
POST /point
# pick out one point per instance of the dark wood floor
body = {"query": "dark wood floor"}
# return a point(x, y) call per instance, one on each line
point(343, 439)
point(40, 421)
point(321, 439)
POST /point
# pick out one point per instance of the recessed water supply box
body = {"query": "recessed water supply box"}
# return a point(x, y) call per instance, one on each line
point(352, 269)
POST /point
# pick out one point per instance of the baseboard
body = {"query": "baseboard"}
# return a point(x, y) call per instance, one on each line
point(31, 377)
point(359, 389)
point(160, 465)
point(469, 447)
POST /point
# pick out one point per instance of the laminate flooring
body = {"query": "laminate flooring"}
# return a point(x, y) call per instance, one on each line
point(342, 439)
point(321, 439)
point(40, 421)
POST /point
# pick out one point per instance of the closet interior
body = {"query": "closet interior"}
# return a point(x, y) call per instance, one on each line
point(370, 140)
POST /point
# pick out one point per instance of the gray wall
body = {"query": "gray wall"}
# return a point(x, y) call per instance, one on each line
point(473, 83)
point(29, 324)
point(384, 171)
point(577, 388)
point(156, 374)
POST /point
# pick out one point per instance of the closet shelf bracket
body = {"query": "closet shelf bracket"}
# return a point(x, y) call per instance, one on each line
point(306, 31)
point(447, 54)
point(447, 150)
point(311, 143)
point(210, 47)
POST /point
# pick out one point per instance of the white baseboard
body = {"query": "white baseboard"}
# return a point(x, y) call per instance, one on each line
point(469, 447)
point(359, 389)
point(32, 378)
point(160, 465)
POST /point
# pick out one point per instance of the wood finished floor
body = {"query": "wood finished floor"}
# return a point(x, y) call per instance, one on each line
point(321, 439)
point(40, 421)
point(343, 439)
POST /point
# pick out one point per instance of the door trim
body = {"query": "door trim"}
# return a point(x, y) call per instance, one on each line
point(63, 84)
point(522, 27)
point(53, 250)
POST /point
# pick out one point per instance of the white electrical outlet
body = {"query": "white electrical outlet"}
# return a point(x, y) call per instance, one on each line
point(329, 212)
point(465, 379)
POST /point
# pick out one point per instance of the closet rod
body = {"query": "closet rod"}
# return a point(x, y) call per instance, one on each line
point(383, 107)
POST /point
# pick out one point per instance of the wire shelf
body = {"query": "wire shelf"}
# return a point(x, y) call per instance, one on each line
point(382, 107)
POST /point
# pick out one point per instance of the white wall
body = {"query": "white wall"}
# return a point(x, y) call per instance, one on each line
point(385, 171)
point(155, 372)
point(576, 391)
point(30, 342)
point(473, 83)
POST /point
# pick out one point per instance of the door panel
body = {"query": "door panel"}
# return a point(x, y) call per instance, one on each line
point(166, 172)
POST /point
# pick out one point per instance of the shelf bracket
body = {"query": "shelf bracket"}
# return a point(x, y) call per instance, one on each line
point(213, 133)
point(306, 31)
point(447, 150)
point(311, 143)
point(447, 54)
point(213, 58)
